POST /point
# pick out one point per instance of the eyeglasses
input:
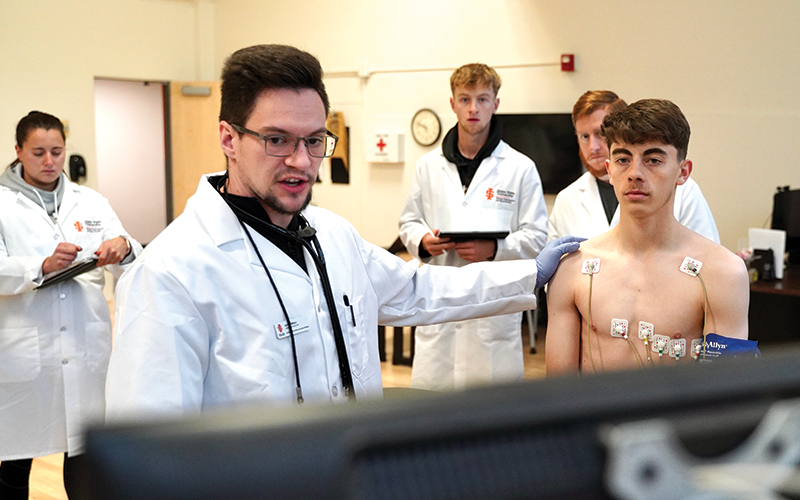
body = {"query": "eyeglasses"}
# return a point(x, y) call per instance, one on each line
point(284, 145)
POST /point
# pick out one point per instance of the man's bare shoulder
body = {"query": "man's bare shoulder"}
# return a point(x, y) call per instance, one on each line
point(595, 248)
point(571, 269)
point(567, 273)
point(725, 278)
point(717, 260)
point(601, 242)
point(571, 263)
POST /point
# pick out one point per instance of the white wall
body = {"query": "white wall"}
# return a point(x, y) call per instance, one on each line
point(732, 68)
point(51, 52)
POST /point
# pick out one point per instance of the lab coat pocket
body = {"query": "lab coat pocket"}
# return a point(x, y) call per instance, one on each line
point(354, 324)
point(19, 354)
point(98, 346)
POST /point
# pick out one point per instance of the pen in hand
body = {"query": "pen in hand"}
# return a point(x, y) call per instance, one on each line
point(63, 255)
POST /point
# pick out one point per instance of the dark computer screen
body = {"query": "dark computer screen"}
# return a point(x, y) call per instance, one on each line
point(549, 140)
point(786, 216)
point(539, 440)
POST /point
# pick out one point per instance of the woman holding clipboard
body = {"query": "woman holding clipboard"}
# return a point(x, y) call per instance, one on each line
point(55, 340)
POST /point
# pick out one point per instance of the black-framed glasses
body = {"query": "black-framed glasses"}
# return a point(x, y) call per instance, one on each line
point(283, 145)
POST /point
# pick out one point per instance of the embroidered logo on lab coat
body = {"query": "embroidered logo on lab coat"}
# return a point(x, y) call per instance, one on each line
point(78, 226)
point(499, 199)
point(501, 196)
point(506, 197)
point(94, 226)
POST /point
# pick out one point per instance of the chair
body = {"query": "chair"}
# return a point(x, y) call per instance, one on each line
point(398, 348)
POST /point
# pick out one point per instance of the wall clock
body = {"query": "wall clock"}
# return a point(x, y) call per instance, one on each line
point(426, 127)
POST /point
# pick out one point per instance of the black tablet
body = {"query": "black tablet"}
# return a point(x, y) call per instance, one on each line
point(69, 272)
point(457, 236)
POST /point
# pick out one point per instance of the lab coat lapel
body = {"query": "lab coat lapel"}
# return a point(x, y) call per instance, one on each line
point(590, 200)
point(37, 208)
point(450, 172)
point(274, 257)
point(69, 202)
point(223, 227)
point(486, 168)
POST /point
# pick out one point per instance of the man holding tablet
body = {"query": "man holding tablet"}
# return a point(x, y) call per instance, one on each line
point(476, 189)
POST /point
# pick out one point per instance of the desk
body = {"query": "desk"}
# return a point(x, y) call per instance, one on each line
point(774, 314)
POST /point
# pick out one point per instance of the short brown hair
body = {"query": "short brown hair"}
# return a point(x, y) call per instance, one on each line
point(475, 75)
point(649, 120)
point(252, 70)
point(592, 100)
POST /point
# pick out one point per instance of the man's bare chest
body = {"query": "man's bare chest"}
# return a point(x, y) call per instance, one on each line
point(653, 305)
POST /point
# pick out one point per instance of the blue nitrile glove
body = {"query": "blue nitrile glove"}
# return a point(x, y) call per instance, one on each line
point(549, 257)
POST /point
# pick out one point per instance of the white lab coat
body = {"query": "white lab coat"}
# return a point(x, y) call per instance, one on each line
point(54, 342)
point(197, 319)
point(505, 195)
point(578, 210)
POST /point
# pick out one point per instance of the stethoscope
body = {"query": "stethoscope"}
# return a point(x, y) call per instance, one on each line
point(306, 236)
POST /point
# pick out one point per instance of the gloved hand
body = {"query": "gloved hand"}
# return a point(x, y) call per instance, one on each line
point(549, 257)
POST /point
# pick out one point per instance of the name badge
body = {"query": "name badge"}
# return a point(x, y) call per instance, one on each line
point(298, 327)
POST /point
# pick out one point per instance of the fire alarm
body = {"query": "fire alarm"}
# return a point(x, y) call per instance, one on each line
point(567, 62)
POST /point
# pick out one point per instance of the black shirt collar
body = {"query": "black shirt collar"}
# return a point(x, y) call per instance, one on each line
point(466, 166)
point(608, 197)
point(250, 211)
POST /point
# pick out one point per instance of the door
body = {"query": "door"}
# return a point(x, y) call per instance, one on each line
point(194, 138)
point(131, 161)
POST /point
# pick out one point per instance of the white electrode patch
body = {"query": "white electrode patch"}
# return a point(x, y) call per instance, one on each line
point(697, 346)
point(660, 344)
point(591, 266)
point(646, 331)
point(677, 348)
point(619, 328)
point(691, 266)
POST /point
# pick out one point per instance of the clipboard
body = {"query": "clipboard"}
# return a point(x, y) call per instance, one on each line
point(458, 236)
point(76, 268)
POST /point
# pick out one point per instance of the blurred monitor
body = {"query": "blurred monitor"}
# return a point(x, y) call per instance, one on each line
point(538, 440)
point(786, 216)
point(549, 140)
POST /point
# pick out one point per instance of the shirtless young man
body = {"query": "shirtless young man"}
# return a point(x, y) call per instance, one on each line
point(639, 276)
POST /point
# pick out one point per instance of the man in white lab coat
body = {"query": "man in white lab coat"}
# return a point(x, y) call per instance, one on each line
point(588, 207)
point(251, 295)
point(474, 182)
